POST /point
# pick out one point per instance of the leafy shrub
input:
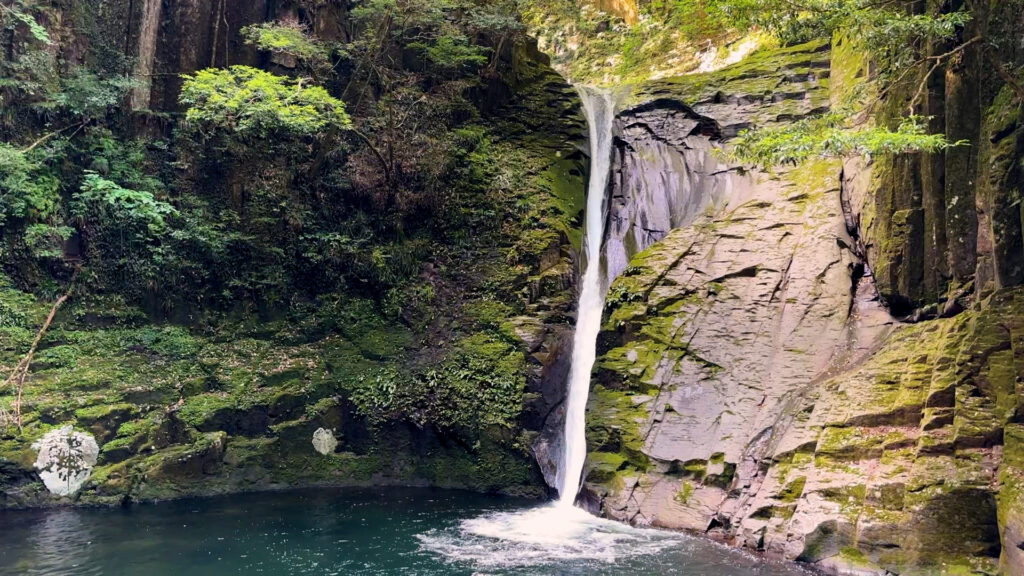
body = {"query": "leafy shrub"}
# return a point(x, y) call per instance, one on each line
point(123, 230)
point(290, 39)
point(252, 102)
point(111, 203)
point(829, 136)
point(27, 190)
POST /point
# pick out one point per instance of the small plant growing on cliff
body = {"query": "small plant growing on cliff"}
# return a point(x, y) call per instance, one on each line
point(831, 136)
point(18, 14)
point(122, 205)
point(291, 41)
point(27, 191)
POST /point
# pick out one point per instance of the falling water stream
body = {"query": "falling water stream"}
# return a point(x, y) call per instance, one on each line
point(560, 538)
point(600, 109)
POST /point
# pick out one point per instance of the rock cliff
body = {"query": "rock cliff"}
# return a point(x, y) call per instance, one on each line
point(752, 382)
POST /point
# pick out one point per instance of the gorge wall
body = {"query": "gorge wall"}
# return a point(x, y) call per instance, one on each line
point(273, 388)
point(817, 362)
point(822, 362)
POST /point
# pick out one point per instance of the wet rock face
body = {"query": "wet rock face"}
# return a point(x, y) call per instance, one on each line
point(664, 175)
point(711, 338)
point(740, 300)
point(66, 459)
point(546, 413)
point(903, 455)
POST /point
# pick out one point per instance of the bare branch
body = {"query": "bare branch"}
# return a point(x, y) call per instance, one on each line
point(21, 370)
point(938, 60)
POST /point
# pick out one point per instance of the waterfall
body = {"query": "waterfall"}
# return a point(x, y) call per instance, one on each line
point(560, 532)
point(600, 110)
point(147, 54)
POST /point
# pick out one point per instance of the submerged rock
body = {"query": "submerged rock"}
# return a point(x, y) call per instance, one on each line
point(324, 441)
point(65, 460)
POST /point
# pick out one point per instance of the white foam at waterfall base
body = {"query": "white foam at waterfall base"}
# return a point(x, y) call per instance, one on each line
point(545, 536)
point(561, 532)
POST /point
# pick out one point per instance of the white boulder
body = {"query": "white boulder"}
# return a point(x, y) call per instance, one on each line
point(65, 460)
point(324, 441)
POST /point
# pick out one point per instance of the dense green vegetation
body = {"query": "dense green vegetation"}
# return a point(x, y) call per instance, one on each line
point(318, 237)
point(906, 43)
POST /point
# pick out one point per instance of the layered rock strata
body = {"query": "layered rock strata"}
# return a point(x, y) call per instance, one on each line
point(752, 385)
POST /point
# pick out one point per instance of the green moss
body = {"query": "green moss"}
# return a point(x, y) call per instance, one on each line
point(792, 491)
point(57, 357)
point(603, 467)
point(758, 75)
point(322, 406)
point(858, 443)
point(696, 468)
point(167, 341)
point(489, 313)
point(117, 444)
point(101, 411)
point(815, 177)
point(562, 180)
point(531, 245)
point(850, 67)
point(613, 426)
point(854, 556)
point(199, 409)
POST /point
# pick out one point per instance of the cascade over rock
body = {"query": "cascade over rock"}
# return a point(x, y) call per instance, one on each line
point(725, 317)
point(822, 362)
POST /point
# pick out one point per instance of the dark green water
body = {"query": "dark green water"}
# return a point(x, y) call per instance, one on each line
point(326, 532)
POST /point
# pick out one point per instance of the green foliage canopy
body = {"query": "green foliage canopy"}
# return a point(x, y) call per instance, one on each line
point(453, 51)
point(253, 102)
point(287, 39)
point(85, 95)
point(830, 136)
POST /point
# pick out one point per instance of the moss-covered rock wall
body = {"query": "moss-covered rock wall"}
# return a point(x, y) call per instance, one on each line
point(937, 227)
point(447, 383)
